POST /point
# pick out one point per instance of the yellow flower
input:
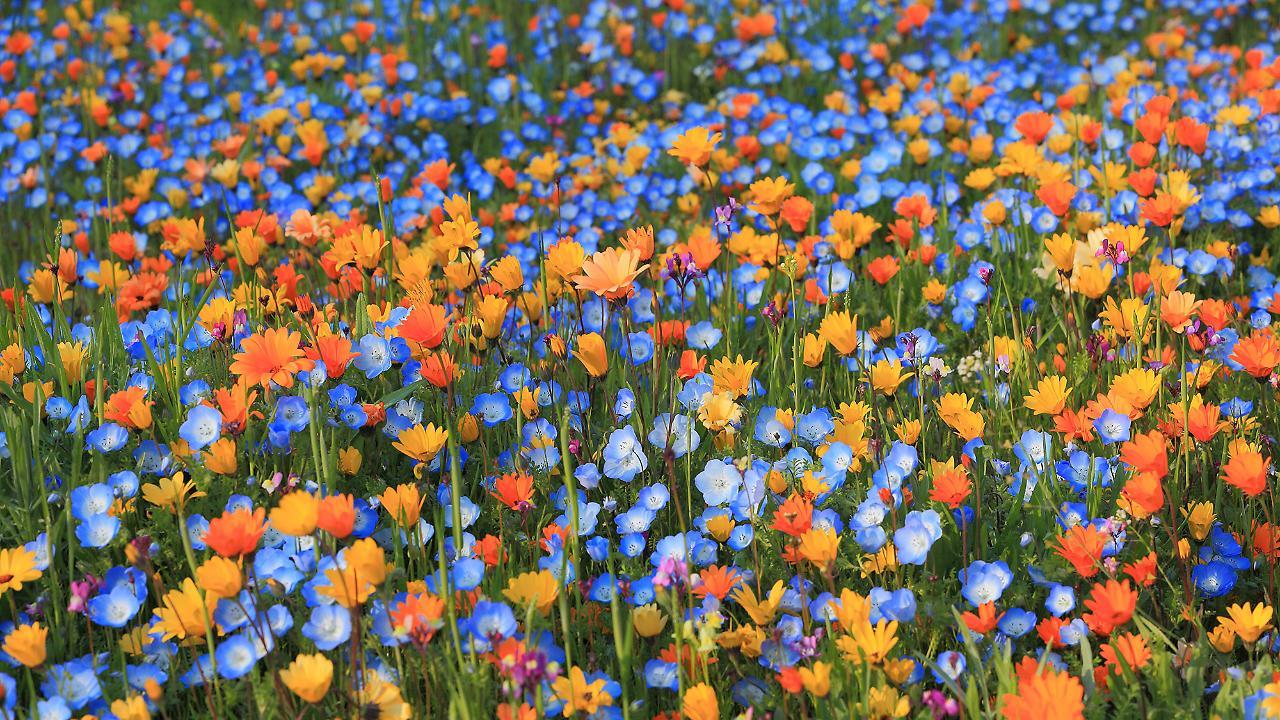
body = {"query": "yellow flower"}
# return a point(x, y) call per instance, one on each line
point(172, 493)
point(308, 677)
point(17, 566)
point(349, 460)
point(720, 527)
point(26, 644)
point(732, 376)
point(133, 707)
point(762, 611)
point(422, 443)
point(869, 643)
point(820, 546)
point(539, 589)
point(886, 376)
point(840, 329)
point(220, 457)
point(694, 146)
point(297, 514)
point(700, 703)
point(1049, 397)
point(768, 194)
point(719, 411)
point(818, 680)
point(183, 612)
point(578, 695)
point(377, 698)
point(1222, 638)
point(885, 702)
point(1248, 621)
point(220, 577)
point(649, 620)
point(1200, 517)
point(815, 349)
point(403, 503)
point(591, 353)
point(72, 356)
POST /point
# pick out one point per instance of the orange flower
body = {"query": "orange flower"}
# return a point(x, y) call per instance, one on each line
point(1111, 605)
point(1143, 495)
point(1129, 647)
point(403, 503)
point(336, 515)
point(1177, 310)
point(439, 369)
point(273, 356)
point(1146, 454)
point(1259, 354)
point(1160, 210)
point(610, 273)
point(1143, 570)
point(425, 326)
point(1046, 695)
point(984, 621)
point(717, 581)
point(794, 517)
point(236, 533)
point(1247, 470)
point(130, 408)
point(883, 268)
point(1057, 196)
point(1081, 546)
point(335, 352)
point(951, 485)
point(1034, 126)
point(515, 490)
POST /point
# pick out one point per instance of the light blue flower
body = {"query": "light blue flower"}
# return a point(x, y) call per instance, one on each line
point(202, 427)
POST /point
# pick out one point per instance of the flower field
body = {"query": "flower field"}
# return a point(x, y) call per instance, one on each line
point(689, 359)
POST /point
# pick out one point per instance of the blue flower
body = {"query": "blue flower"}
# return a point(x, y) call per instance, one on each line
point(90, 500)
point(674, 432)
point(916, 536)
point(328, 627)
point(623, 457)
point(292, 413)
point(985, 582)
point(108, 438)
point(492, 408)
point(719, 482)
point(202, 427)
point(115, 608)
point(98, 530)
point(375, 356)
point(236, 656)
point(1112, 427)
point(1061, 600)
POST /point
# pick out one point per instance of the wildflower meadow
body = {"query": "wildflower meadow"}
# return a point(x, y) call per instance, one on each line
point(642, 360)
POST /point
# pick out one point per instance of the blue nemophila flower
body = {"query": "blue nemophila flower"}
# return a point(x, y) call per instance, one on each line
point(328, 627)
point(108, 438)
point(623, 456)
point(115, 607)
point(1016, 622)
point(1061, 600)
point(985, 582)
point(236, 656)
point(675, 433)
point(1112, 427)
point(719, 482)
point(90, 500)
point(492, 408)
point(98, 530)
point(202, 427)
point(916, 536)
point(292, 413)
point(375, 356)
